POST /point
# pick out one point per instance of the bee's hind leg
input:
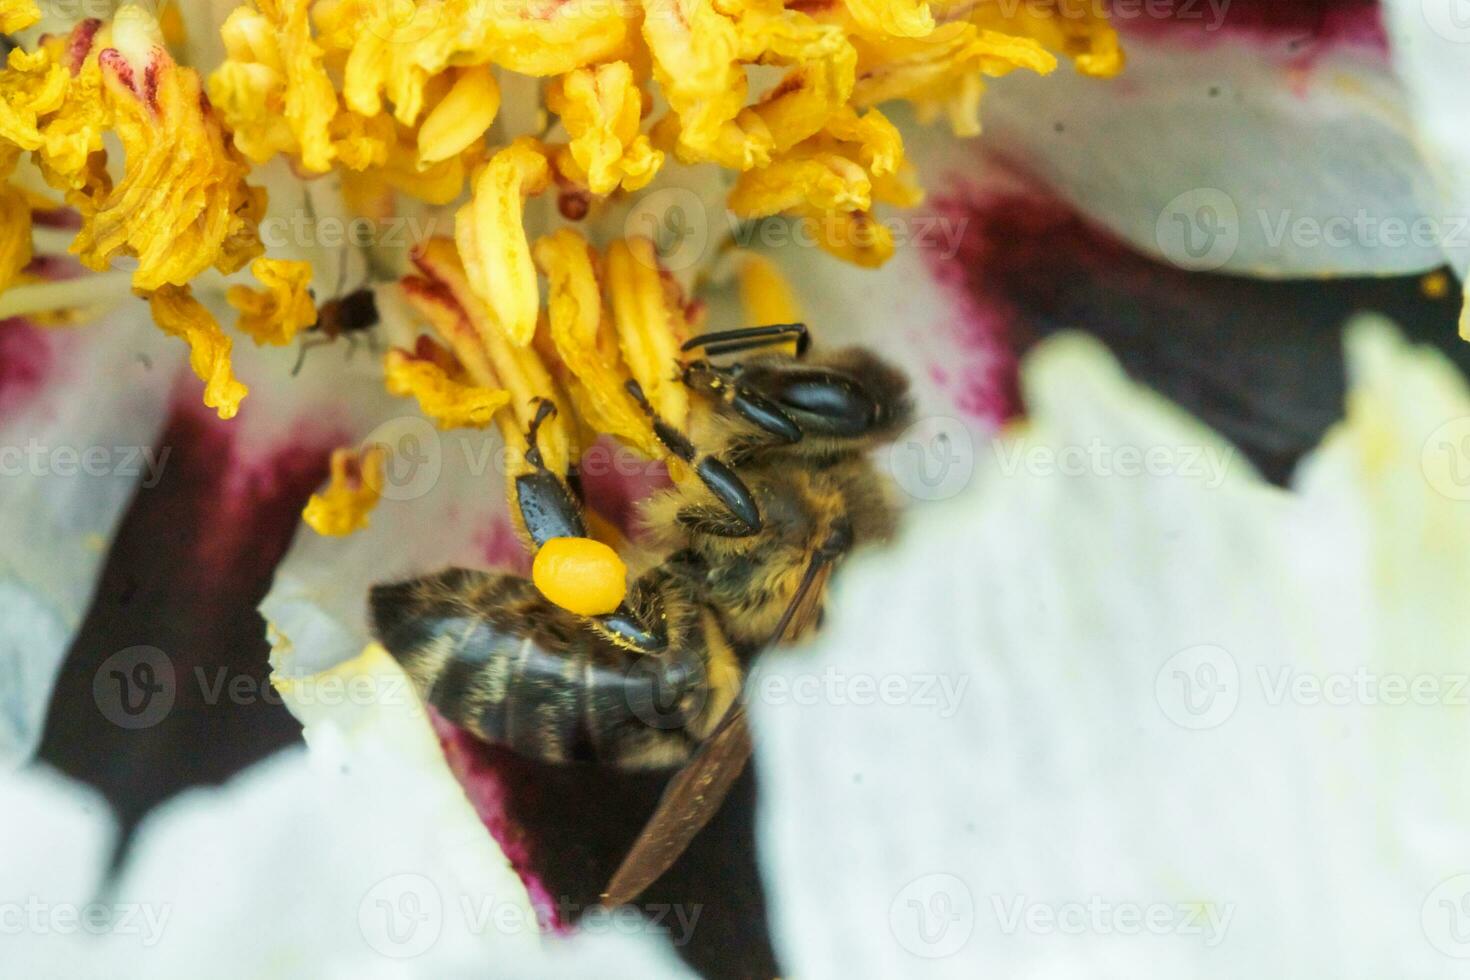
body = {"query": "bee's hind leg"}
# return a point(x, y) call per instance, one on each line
point(547, 505)
point(549, 510)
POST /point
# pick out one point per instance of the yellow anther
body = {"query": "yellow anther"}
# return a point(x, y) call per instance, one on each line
point(15, 234)
point(352, 492)
point(449, 402)
point(275, 314)
point(601, 108)
point(461, 117)
point(17, 15)
point(582, 575)
point(650, 324)
point(179, 314)
point(492, 242)
point(903, 18)
point(585, 342)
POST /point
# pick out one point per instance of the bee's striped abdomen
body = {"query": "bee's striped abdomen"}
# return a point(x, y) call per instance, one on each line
point(495, 657)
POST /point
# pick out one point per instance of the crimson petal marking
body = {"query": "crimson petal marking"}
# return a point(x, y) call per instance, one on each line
point(192, 558)
point(1260, 361)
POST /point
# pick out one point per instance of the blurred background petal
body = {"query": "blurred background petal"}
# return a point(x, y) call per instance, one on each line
point(1094, 709)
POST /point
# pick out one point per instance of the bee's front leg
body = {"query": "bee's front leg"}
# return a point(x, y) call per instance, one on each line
point(742, 517)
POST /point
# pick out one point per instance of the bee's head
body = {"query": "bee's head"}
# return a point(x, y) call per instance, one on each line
point(848, 396)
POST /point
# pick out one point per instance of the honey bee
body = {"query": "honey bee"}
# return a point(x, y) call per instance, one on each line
point(785, 488)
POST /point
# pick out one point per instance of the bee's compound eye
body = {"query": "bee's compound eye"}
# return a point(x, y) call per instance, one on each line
point(830, 403)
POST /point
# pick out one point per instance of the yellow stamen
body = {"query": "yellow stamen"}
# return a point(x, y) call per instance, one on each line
point(275, 314)
point(179, 314)
point(492, 242)
point(461, 117)
point(351, 494)
point(15, 234)
point(601, 108)
point(765, 294)
point(585, 342)
point(650, 324)
point(449, 402)
point(16, 15)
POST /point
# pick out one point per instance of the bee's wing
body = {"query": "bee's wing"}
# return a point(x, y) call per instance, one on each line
point(695, 793)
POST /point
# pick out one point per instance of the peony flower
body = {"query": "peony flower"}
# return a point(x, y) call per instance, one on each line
point(1156, 758)
point(664, 201)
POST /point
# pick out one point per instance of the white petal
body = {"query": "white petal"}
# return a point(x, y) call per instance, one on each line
point(361, 858)
point(1218, 151)
point(443, 504)
point(58, 837)
point(338, 872)
point(1431, 45)
point(80, 414)
point(1114, 737)
point(347, 872)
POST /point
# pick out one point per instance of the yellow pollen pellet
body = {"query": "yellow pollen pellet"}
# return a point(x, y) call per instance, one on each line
point(581, 575)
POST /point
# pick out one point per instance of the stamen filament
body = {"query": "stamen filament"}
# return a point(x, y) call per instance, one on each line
point(93, 290)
